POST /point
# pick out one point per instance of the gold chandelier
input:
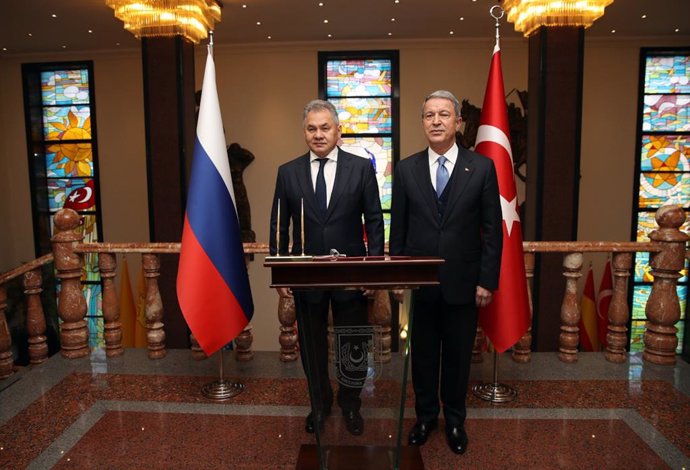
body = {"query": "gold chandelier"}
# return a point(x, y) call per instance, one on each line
point(529, 15)
point(191, 19)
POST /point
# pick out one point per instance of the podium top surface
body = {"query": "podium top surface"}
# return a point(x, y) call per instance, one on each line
point(382, 272)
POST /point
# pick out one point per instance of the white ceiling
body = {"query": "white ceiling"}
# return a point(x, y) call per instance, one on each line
point(27, 26)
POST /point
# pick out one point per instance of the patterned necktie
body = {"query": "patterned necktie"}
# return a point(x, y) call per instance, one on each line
point(441, 176)
point(320, 190)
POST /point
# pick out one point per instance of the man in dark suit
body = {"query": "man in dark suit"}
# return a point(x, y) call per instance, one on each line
point(338, 191)
point(446, 203)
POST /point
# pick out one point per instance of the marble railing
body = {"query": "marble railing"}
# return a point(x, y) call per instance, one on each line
point(667, 248)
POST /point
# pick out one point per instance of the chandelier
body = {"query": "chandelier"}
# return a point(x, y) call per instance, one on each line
point(191, 19)
point(529, 15)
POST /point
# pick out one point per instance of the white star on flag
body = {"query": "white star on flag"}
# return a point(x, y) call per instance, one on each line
point(509, 210)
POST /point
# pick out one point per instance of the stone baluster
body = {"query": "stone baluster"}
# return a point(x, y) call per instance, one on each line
point(35, 318)
point(287, 316)
point(74, 334)
point(570, 309)
point(380, 314)
point(154, 306)
point(243, 345)
point(617, 330)
point(107, 266)
point(522, 351)
point(6, 359)
point(478, 346)
point(663, 308)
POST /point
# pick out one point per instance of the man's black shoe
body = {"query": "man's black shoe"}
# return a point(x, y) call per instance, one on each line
point(420, 432)
point(457, 439)
point(354, 422)
point(309, 422)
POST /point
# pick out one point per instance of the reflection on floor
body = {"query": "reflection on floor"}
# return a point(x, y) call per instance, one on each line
point(132, 412)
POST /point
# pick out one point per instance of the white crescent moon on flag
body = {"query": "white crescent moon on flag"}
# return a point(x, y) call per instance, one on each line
point(488, 133)
point(87, 194)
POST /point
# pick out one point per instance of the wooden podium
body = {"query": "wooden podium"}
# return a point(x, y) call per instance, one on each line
point(304, 273)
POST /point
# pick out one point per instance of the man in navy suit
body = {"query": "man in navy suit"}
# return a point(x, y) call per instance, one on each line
point(446, 203)
point(338, 191)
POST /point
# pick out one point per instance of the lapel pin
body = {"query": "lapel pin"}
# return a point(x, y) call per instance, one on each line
point(467, 169)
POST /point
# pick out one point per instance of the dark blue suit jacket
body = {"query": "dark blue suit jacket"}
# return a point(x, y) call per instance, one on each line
point(469, 235)
point(354, 198)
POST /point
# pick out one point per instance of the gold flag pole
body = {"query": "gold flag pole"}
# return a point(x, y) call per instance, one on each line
point(495, 392)
point(220, 389)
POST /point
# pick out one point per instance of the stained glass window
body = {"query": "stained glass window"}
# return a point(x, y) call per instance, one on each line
point(363, 87)
point(63, 164)
point(663, 169)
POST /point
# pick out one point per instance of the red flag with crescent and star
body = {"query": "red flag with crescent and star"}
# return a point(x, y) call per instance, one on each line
point(507, 317)
point(81, 198)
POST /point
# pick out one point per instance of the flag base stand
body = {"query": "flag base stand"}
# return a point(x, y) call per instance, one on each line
point(221, 389)
point(494, 392)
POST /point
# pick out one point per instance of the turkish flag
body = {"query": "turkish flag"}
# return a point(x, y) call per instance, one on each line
point(603, 302)
point(507, 317)
point(81, 198)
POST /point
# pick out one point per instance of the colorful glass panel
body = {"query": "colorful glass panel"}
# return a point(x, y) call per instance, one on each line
point(667, 74)
point(642, 268)
point(665, 153)
point(664, 188)
point(69, 159)
point(65, 87)
point(664, 168)
point(666, 113)
point(360, 77)
point(637, 335)
point(60, 189)
point(67, 123)
point(639, 302)
point(640, 297)
point(94, 316)
point(364, 115)
point(379, 150)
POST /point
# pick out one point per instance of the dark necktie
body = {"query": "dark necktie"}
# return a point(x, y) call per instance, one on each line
point(320, 190)
point(441, 175)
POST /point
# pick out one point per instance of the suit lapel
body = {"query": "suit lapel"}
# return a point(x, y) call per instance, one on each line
point(305, 184)
point(342, 175)
point(462, 173)
point(423, 179)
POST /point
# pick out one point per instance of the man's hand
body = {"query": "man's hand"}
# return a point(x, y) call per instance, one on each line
point(483, 297)
point(398, 294)
point(369, 292)
point(284, 292)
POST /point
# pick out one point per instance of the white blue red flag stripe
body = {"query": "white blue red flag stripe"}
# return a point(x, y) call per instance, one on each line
point(212, 281)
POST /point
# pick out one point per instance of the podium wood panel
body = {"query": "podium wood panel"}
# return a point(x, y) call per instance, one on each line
point(370, 272)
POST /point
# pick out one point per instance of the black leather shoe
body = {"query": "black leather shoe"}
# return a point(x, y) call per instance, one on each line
point(354, 422)
point(420, 432)
point(457, 439)
point(309, 425)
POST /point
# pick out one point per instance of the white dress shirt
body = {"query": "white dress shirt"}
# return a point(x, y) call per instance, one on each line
point(328, 171)
point(451, 157)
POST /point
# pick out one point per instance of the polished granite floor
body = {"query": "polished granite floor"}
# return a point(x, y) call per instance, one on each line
point(134, 413)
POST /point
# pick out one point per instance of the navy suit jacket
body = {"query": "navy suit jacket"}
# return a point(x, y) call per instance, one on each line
point(469, 235)
point(354, 200)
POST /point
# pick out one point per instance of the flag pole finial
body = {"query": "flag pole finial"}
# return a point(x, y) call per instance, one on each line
point(497, 12)
point(210, 41)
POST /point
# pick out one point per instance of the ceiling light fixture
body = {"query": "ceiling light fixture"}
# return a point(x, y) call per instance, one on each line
point(530, 15)
point(191, 19)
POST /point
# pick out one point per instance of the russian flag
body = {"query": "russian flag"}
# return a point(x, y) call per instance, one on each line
point(212, 280)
